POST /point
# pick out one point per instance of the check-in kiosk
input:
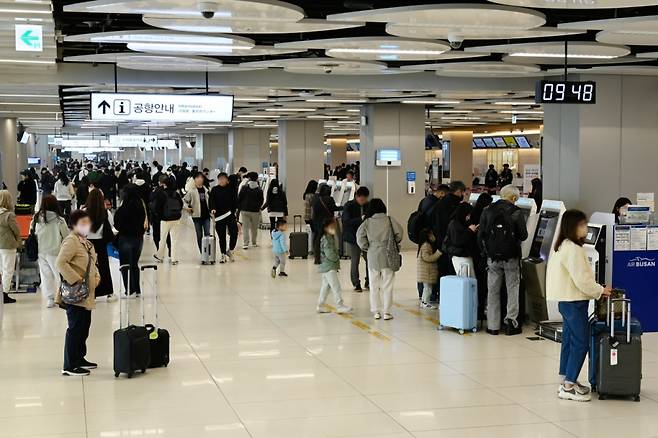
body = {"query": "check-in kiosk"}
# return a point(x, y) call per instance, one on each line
point(595, 246)
point(533, 267)
point(529, 209)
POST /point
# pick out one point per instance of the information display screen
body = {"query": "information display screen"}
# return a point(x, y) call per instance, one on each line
point(583, 92)
point(500, 142)
point(522, 141)
point(510, 142)
point(489, 142)
point(479, 143)
point(388, 155)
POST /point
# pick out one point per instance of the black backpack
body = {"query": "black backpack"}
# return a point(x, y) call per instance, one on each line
point(417, 221)
point(173, 207)
point(501, 243)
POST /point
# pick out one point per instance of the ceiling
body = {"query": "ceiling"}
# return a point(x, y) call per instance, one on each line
point(384, 39)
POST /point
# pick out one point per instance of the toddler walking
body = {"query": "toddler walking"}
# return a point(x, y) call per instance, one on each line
point(279, 247)
point(329, 266)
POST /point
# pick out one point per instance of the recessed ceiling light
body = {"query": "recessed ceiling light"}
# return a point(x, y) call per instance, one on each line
point(432, 102)
point(295, 110)
point(26, 61)
point(250, 99)
point(450, 111)
point(324, 116)
point(29, 103)
point(386, 51)
point(185, 48)
point(516, 102)
point(561, 55)
point(31, 95)
point(258, 116)
point(521, 112)
point(330, 100)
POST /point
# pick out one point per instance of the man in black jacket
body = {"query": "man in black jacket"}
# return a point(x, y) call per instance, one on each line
point(169, 207)
point(506, 176)
point(491, 178)
point(47, 181)
point(250, 201)
point(352, 218)
point(183, 174)
point(502, 229)
point(223, 204)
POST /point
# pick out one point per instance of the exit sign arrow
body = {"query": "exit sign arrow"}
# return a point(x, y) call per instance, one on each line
point(29, 39)
point(104, 106)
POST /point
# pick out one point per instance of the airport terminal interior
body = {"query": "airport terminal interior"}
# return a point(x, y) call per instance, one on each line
point(328, 218)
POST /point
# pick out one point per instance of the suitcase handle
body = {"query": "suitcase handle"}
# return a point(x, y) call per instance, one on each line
point(123, 295)
point(145, 267)
point(461, 270)
point(625, 316)
point(154, 268)
point(294, 223)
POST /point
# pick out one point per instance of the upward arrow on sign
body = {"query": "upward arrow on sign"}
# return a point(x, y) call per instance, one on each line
point(29, 39)
point(104, 106)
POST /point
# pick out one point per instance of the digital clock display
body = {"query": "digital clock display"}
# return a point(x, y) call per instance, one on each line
point(566, 92)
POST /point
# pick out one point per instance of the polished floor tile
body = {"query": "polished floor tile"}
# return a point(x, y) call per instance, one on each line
point(250, 358)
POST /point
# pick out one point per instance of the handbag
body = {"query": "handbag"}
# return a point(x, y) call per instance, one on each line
point(77, 292)
point(32, 243)
point(601, 305)
point(393, 249)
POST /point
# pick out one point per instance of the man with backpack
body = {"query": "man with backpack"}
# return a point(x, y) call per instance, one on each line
point(168, 205)
point(502, 229)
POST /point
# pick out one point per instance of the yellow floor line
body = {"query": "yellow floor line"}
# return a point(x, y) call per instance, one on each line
point(359, 324)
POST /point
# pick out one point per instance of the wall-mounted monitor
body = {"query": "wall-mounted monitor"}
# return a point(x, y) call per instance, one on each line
point(33, 161)
point(478, 143)
point(500, 142)
point(522, 141)
point(510, 142)
point(388, 157)
point(489, 142)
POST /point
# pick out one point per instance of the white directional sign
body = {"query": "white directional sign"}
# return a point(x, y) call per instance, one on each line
point(165, 107)
point(29, 38)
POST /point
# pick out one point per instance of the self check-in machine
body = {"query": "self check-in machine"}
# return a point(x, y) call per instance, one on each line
point(596, 248)
point(529, 209)
point(533, 267)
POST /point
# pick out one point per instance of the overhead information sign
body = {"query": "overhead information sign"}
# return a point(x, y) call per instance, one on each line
point(165, 107)
point(29, 38)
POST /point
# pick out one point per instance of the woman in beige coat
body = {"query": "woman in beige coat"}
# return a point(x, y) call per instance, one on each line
point(10, 240)
point(72, 261)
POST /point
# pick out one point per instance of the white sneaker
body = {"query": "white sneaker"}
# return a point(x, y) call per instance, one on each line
point(174, 262)
point(424, 305)
point(387, 316)
point(254, 245)
point(343, 309)
point(245, 246)
point(573, 394)
point(230, 256)
point(321, 309)
point(111, 298)
point(378, 315)
point(50, 303)
point(222, 258)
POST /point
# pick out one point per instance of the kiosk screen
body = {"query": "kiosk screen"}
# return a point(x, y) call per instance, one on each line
point(543, 239)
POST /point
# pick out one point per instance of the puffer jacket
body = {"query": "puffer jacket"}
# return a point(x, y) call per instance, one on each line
point(427, 270)
point(372, 236)
point(250, 197)
point(10, 235)
point(279, 244)
point(72, 264)
point(276, 201)
point(329, 256)
point(50, 233)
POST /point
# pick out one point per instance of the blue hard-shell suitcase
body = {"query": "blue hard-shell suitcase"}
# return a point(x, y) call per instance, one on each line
point(459, 303)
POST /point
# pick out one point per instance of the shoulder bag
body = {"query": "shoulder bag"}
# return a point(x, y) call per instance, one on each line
point(77, 292)
point(32, 243)
point(393, 249)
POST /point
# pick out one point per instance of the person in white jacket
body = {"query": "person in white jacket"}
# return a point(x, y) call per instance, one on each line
point(50, 229)
point(570, 281)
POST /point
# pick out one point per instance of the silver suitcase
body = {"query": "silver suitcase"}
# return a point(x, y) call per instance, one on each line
point(209, 246)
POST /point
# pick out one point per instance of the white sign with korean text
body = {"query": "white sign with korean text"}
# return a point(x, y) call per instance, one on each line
point(164, 107)
point(530, 172)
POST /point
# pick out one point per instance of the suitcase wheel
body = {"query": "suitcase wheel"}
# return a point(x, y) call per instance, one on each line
point(116, 375)
point(636, 398)
point(602, 397)
point(474, 330)
point(440, 327)
point(461, 331)
point(130, 375)
point(143, 370)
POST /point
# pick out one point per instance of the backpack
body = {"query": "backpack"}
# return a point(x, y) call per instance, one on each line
point(173, 206)
point(417, 221)
point(501, 243)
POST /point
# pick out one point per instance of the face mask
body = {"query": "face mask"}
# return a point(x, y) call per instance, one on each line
point(83, 230)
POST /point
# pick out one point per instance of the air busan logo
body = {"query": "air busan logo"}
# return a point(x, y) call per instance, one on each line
point(641, 262)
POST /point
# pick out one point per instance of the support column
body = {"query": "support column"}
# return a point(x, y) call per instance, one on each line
point(592, 154)
point(249, 147)
point(394, 126)
point(338, 151)
point(461, 155)
point(301, 146)
point(9, 154)
point(215, 151)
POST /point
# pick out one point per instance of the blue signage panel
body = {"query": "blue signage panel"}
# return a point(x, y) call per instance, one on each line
point(411, 175)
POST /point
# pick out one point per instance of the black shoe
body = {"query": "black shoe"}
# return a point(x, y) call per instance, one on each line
point(8, 299)
point(510, 330)
point(493, 332)
point(76, 372)
point(358, 288)
point(282, 274)
point(366, 286)
point(88, 365)
point(273, 272)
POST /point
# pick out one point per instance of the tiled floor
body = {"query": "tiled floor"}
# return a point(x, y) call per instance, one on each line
point(250, 358)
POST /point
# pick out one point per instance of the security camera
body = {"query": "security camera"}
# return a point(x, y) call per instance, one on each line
point(207, 9)
point(455, 41)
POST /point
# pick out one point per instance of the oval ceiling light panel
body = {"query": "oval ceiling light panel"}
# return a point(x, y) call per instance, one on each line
point(576, 50)
point(577, 4)
point(139, 61)
point(487, 69)
point(450, 15)
point(374, 48)
point(473, 32)
point(228, 9)
point(157, 36)
point(329, 66)
point(572, 61)
point(207, 50)
point(630, 38)
point(222, 25)
point(640, 24)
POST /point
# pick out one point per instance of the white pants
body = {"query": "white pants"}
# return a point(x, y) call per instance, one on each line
point(7, 266)
point(166, 228)
point(381, 288)
point(458, 262)
point(49, 275)
point(330, 281)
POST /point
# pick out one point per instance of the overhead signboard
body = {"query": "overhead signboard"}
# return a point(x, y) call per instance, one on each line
point(29, 38)
point(134, 140)
point(164, 107)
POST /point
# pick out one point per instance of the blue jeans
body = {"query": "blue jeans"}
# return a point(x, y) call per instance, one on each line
point(575, 338)
point(202, 228)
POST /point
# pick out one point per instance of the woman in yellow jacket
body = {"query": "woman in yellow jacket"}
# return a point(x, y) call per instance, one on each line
point(76, 254)
point(570, 281)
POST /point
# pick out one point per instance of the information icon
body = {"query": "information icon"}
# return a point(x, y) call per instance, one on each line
point(121, 107)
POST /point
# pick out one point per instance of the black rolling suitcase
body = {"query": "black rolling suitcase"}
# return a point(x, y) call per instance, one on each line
point(158, 337)
point(298, 239)
point(132, 351)
point(619, 365)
